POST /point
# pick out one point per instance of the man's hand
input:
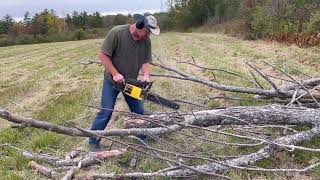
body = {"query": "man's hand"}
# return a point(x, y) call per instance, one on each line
point(146, 78)
point(118, 78)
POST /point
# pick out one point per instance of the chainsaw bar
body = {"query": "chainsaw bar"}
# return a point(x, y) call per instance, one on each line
point(162, 101)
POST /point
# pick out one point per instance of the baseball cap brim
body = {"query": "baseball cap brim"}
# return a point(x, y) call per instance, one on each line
point(154, 29)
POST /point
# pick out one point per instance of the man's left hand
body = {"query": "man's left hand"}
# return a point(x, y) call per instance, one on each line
point(146, 78)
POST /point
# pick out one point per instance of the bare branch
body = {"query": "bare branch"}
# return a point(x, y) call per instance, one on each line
point(269, 93)
point(266, 78)
point(217, 69)
point(303, 87)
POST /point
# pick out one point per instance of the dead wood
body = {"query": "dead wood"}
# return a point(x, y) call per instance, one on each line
point(49, 173)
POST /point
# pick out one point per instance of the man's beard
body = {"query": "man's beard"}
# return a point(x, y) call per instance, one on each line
point(136, 37)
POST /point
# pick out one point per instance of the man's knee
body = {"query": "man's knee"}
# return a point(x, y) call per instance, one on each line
point(105, 112)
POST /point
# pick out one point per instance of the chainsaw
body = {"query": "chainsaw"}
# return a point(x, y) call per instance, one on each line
point(141, 90)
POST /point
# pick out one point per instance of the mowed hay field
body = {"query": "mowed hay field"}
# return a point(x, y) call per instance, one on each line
point(47, 82)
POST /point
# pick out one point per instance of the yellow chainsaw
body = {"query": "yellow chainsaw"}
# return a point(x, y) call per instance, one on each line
point(141, 90)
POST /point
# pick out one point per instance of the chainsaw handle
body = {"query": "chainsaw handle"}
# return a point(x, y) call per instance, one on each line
point(142, 84)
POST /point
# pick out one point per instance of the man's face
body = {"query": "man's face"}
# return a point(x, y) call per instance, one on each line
point(142, 34)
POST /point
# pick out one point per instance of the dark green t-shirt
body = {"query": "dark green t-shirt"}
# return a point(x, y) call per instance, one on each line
point(127, 55)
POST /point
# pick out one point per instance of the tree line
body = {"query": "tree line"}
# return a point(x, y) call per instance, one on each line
point(283, 20)
point(47, 26)
point(254, 18)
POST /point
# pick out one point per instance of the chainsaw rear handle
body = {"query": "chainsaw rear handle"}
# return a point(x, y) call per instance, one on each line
point(142, 84)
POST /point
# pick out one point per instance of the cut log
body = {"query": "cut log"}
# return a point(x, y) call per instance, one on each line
point(73, 154)
point(44, 170)
point(97, 157)
point(70, 174)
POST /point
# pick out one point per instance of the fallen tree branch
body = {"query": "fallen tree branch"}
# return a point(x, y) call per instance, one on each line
point(159, 157)
point(269, 93)
point(217, 69)
point(278, 170)
point(277, 92)
point(266, 78)
point(34, 156)
point(75, 132)
point(263, 115)
point(271, 114)
point(299, 83)
point(236, 163)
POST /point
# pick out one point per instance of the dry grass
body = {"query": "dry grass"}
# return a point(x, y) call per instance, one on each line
point(47, 82)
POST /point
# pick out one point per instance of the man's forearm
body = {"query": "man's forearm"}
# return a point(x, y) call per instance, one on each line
point(146, 72)
point(107, 63)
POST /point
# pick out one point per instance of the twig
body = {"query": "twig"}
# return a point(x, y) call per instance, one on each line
point(217, 69)
point(231, 98)
point(266, 78)
point(296, 99)
point(91, 62)
point(293, 97)
point(256, 80)
point(16, 103)
point(298, 71)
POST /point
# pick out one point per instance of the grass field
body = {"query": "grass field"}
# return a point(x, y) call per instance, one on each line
point(47, 82)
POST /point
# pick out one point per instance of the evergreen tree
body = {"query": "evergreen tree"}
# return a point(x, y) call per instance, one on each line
point(5, 24)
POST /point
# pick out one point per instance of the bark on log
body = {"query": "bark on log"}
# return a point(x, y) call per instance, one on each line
point(70, 174)
point(255, 115)
point(307, 83)
point(75, 132)
point(43, 170)
point(95, 158)
point(91, 158)
point(40, 157)
point(73, 154)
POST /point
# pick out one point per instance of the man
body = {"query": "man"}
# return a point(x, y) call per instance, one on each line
point(125, 51)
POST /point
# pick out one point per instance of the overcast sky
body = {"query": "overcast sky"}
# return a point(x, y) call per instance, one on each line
point(17, 8)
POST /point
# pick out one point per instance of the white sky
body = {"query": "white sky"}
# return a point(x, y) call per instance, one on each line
point(17, 8)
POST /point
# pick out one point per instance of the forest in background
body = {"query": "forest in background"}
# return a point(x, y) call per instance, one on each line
point(47, 26)
point(292, 21)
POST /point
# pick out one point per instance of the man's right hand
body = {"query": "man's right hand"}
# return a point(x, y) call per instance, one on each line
point(118, 78)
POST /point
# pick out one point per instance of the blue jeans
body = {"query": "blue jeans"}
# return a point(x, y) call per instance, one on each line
point(108, 100)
